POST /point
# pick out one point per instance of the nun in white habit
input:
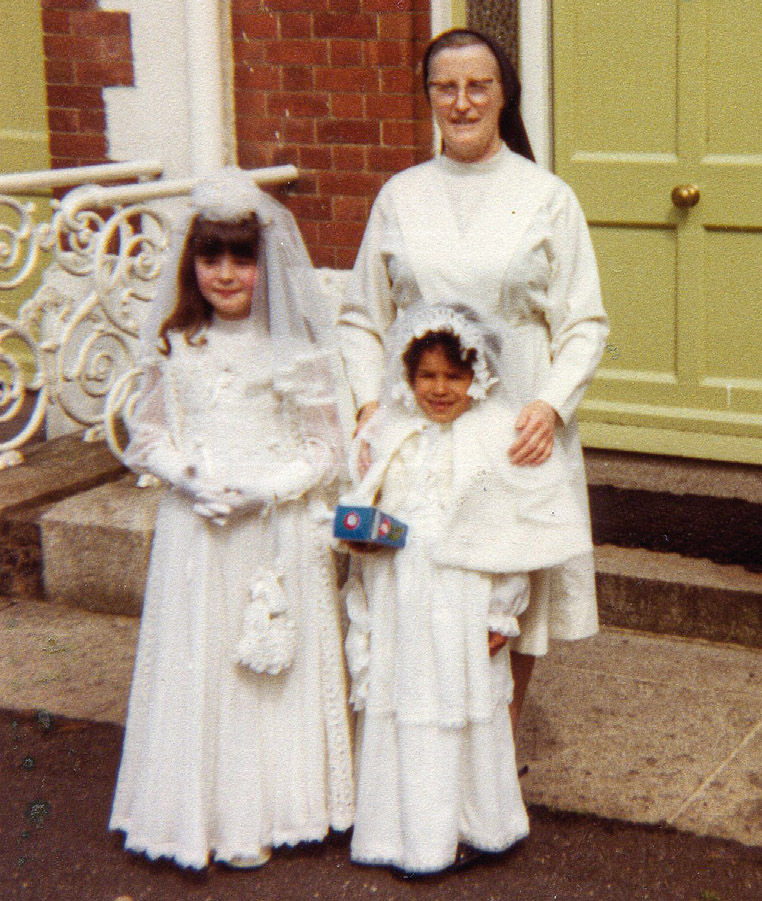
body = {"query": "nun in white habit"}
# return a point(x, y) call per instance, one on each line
point(483, 222)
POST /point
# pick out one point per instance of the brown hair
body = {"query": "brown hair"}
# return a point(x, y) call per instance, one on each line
point(510, 124)
point(451, 348)
point(205, 239)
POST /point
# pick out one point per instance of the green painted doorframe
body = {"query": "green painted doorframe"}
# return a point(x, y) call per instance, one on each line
point(446, 14)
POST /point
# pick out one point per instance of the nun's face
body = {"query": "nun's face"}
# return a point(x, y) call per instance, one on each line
point(227, 281)
point(467, 97)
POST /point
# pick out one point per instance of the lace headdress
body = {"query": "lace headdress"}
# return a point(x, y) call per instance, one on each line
point(477, 337)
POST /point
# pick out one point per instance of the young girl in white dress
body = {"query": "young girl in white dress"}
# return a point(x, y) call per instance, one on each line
point(237, 735)
point(428, 623)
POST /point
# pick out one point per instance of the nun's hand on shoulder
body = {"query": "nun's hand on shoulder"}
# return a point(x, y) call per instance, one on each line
point(536, 426)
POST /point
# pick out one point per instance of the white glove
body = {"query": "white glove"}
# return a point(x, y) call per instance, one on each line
point(286, 484)
point(212, 505)
point(218, 505)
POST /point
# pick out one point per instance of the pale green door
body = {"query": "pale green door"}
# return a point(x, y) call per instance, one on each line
point(649, 97)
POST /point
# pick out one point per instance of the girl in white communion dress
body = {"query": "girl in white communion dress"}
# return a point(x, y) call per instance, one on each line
point(429, 622)
point(237, 735)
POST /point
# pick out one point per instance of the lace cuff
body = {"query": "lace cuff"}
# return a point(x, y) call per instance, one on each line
point(508, 600)
point(170, 466)
point(504, 624)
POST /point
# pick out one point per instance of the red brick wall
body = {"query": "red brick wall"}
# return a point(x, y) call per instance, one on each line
point(86, 50)
point(331, 86)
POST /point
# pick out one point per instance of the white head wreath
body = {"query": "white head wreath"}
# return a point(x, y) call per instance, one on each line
point(229, 196)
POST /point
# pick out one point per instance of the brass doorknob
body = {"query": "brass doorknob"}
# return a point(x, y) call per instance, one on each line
point(685, 195)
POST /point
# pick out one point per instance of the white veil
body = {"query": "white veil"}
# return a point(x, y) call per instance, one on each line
point(288, 310)
point(498, 366)
point(287, 307)
point(287, 301)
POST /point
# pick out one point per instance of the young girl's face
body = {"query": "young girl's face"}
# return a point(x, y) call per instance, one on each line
point(440, 388)
point(227, 282)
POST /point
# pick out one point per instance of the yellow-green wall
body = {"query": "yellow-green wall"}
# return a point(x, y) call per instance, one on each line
point(23, 119)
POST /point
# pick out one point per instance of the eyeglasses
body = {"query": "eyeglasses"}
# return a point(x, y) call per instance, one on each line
point(477, 91)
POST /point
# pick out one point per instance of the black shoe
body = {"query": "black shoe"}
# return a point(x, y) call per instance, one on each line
point(465, 857)
point(414, 876)
point(406, 875)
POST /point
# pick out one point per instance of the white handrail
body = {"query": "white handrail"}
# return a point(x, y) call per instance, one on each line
point(96, 197)
point(32, 182)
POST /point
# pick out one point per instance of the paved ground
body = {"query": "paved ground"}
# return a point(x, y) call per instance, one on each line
point(58, 776)
point(639, 729)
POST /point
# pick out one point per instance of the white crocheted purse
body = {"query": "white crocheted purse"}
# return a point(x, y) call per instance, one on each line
point(268, 641)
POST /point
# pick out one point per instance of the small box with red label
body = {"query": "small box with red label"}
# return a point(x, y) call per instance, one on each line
point(368, 524)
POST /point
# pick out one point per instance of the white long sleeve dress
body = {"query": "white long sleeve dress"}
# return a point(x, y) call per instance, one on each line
point(218, 759)
point(510, 239)
point(436, 761)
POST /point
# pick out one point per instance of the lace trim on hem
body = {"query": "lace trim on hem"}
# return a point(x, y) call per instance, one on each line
point(374, 860)
point(226, 856)
point(314, 832)
point(393, 860)
point(492, 847)
point(170, 850)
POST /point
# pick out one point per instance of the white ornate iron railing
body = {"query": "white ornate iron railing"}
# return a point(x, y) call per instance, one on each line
point(71, 345)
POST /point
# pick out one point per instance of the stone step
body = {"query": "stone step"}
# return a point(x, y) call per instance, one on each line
point(724, 530)
point(76, 530)
point(52, 470)
point(675, 595)
point(679, 545)
point(96, 546)
point(697, 508)
point(676, 475)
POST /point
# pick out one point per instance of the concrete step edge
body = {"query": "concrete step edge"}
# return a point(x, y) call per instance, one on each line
point(671, 595)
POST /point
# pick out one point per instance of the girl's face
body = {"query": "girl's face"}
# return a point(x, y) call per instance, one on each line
point(467, 97)
point(227, 282)
point(440, 388)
